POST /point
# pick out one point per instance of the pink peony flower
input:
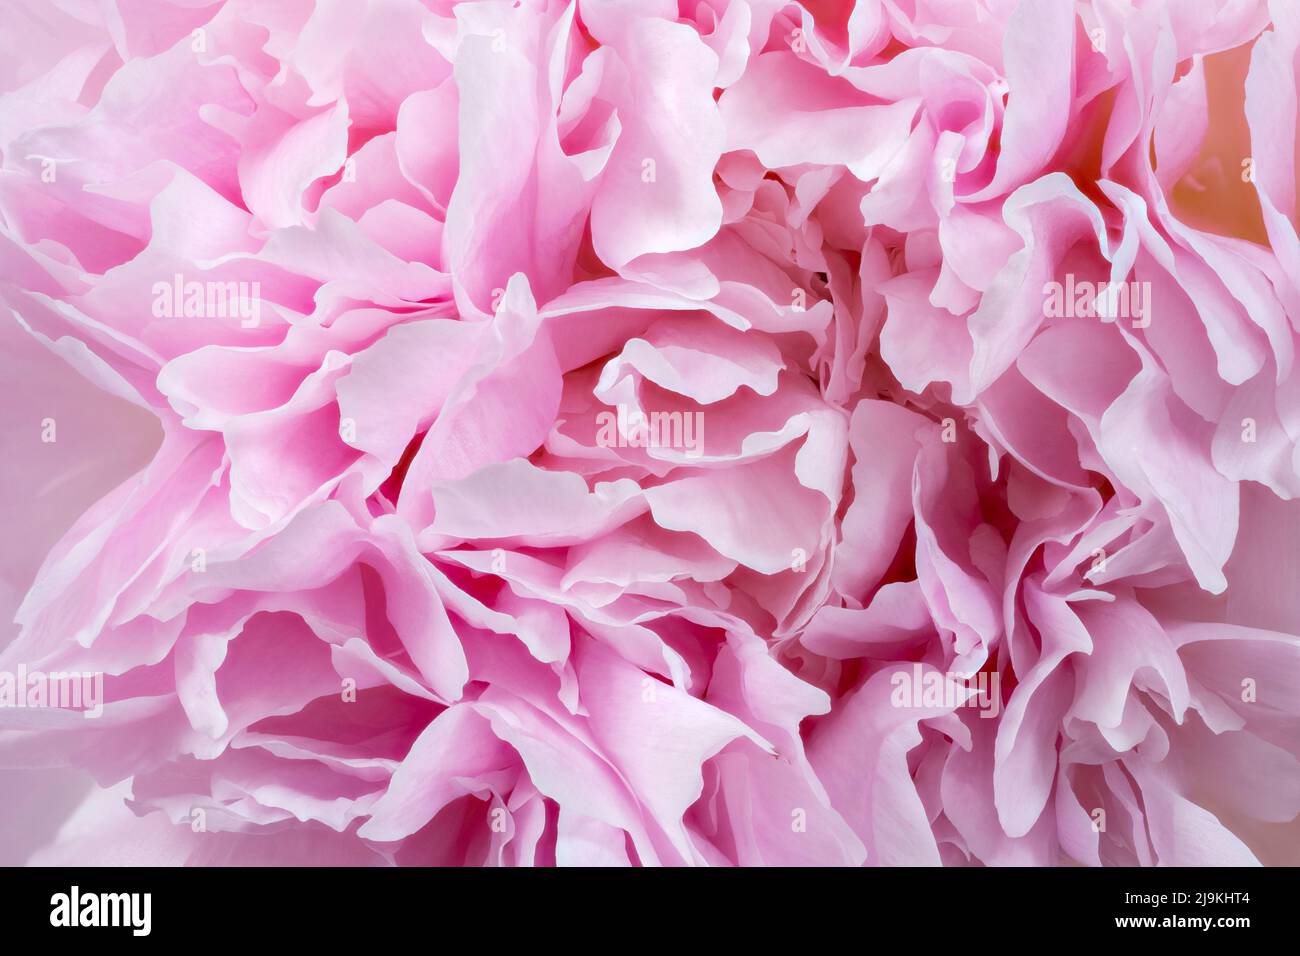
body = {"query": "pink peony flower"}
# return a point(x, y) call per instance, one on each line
point(703, 432)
